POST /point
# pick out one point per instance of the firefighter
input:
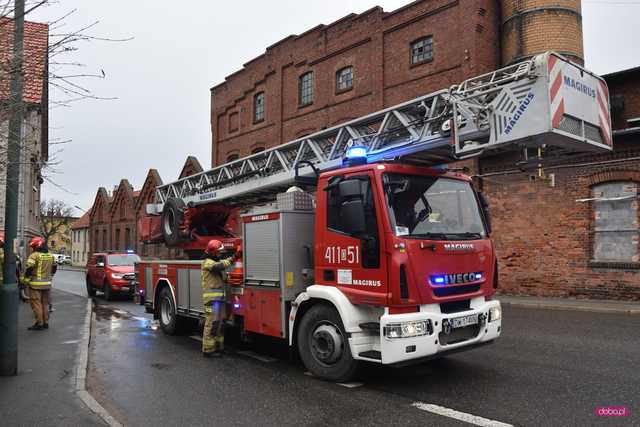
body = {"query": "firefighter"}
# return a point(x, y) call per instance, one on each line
point(213, 298)
point(41, 267)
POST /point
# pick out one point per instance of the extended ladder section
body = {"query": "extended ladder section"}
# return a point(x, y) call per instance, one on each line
point(545, 101)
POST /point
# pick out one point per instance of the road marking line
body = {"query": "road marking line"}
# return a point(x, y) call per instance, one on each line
point(462, 416)
point(351, 385)
point(257, 356)
point(196, 337)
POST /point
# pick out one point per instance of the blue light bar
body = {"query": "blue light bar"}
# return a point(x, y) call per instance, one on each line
point(236, 305)
point(356, 152)
point(478, 276)
point(438, 280)
point(129, 251)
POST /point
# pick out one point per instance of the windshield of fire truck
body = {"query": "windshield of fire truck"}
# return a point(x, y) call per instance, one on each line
point(432, 207)
point(123, 260)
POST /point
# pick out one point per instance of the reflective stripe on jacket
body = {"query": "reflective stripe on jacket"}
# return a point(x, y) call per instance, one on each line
point(41, 264)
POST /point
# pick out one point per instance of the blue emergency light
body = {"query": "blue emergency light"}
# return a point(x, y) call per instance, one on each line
point(356, 155)
point(236, 305)
point(129, 251)
point(438, 280)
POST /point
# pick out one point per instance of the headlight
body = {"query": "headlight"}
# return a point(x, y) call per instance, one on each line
point(407, 329)
point(117, 275)
point(495, 313)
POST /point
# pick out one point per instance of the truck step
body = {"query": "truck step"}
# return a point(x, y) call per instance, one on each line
point(371, 354)
point(370, 326)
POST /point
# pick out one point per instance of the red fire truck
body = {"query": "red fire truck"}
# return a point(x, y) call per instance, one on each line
point(357, 245)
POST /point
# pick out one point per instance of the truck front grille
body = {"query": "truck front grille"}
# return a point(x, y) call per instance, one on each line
point(445, 291)
point(459, 334)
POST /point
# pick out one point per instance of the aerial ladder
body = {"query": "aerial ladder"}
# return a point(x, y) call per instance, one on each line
point(545, 101)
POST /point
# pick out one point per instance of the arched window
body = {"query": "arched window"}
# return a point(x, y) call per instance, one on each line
point(257, 150)
point(344, 79)
point(233, 157)
point(258, 107)
point(616, 231)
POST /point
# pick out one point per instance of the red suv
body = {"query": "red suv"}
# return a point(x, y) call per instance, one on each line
point(112, 273)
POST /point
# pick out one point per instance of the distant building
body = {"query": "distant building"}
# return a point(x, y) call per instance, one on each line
point(113, 218)
point(34, 152)
point(80, 241)
point(59, 242)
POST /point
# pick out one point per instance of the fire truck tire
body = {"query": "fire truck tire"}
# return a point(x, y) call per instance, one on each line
point(172, 216)
point(170, 323)
point(106, 290)
point(323, 345)
point(91, 291)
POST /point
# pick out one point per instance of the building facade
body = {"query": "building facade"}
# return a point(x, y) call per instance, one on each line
point(34, 149)
point(572, 228)
point(113, 217)
point(354, 66)
point(80, 241)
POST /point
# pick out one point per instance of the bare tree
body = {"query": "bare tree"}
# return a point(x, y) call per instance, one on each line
point(66, 77)
point(55, 218)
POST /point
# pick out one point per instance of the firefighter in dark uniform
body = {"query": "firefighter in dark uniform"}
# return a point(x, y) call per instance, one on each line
point(41, 267)
point(213, 298)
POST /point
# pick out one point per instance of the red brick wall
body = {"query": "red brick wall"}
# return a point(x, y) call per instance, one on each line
point(544, 237)
point(377, 44)
point(625, 86)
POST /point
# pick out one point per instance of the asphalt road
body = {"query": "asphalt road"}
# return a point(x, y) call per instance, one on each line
point(549, 368)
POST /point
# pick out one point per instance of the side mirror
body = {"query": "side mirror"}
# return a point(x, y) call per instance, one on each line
point(100, 264)
point(486, 210)
point(353, 216)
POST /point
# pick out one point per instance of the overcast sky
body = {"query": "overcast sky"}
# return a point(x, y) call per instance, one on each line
point(180, 49)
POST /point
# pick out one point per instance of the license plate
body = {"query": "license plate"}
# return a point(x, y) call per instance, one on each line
point(461, 322)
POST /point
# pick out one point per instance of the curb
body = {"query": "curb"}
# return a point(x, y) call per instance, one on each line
point(82, 367)
point(583, 308)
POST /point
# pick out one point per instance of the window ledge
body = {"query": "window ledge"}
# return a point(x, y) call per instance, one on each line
point(305, 105)
point(341, 91)
point(615, 265)
point(255, 122)
point(417, 64)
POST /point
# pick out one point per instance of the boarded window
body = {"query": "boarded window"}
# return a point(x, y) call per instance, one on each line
point(616, 222)
point(233, 122)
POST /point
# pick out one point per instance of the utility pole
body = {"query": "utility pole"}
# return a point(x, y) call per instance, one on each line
point(9, 289)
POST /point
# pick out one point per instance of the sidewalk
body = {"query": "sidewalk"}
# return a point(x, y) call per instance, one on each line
point(596, 306)
point(43, 392)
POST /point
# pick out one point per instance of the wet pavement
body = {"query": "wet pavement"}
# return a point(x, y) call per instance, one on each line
point(549, 368)
point(44, 391)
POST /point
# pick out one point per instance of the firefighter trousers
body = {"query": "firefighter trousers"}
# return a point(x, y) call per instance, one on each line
point(39, 299)
point(213, 333)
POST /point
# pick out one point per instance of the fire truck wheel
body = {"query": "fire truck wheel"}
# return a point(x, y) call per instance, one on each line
point(323, 345)
point(91, 291)
point(167, 312)
point(106, 290)
point(172, 216)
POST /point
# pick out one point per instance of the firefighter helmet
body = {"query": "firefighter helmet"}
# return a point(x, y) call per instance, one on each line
point(213, 247)
point(36, 243)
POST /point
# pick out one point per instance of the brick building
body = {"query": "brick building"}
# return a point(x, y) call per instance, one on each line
point(34, 149)
point(356, 65)
point(566, 230)
point(572, 229)
point(113, 217)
